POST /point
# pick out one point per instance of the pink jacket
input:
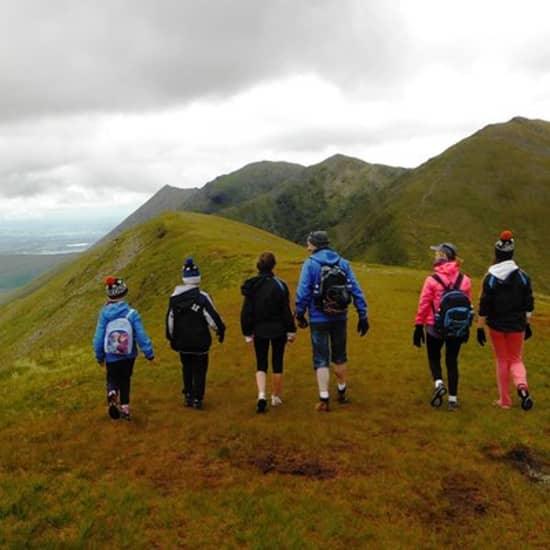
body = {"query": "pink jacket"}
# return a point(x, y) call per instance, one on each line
point(432, 291)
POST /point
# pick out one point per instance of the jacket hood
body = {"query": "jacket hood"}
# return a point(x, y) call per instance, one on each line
point(251, 285)
point(325, 256)
point(503, 270)
point(180, 289)
point(447, 269)
point(114, 310)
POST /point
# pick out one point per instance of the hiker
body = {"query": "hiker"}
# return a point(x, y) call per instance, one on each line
point(445, 311)
point(118, 329)
point(190, 316)
point(326, 287)
point(266, 319)
point(505, 306)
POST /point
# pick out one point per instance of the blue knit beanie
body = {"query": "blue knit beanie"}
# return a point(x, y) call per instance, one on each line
point(190, 273)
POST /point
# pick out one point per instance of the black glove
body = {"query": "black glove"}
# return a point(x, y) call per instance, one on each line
point(302, 321)
point(363, 326)
point(481, 338)
point(418, 336)
point(221, 336)
point(528, 332)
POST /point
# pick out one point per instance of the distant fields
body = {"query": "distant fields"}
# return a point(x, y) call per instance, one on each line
point(386, 471)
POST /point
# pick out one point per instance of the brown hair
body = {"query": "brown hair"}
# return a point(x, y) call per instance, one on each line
point(266, 261)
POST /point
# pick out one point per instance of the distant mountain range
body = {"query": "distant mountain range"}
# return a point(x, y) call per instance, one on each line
point(498, 178)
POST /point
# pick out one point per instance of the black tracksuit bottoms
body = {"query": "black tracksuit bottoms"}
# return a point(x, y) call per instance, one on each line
point(452, 347)
point(119, 374)
point(194, 368)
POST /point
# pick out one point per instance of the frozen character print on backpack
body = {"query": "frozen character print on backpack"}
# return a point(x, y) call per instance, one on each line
point(326, 288)
point(445, 312)
point(190, 316)
point(506, 306)
point(119, 329)
point(266, 320)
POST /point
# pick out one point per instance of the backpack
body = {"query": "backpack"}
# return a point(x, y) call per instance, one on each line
point(119, 336)
point(455, 315)
point(332, 294)
point(190, 331)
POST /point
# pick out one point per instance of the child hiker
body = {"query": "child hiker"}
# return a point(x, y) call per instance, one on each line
point(118, 329)
point(445, 288)
point(506, 305)
point(190, 314)
point(266, 319)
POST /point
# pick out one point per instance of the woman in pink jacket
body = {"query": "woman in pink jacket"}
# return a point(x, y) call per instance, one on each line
point(446, 278)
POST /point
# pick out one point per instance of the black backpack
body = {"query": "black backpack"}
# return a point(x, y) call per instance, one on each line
point(455, 315)
point(333, 292)
point(190, 331)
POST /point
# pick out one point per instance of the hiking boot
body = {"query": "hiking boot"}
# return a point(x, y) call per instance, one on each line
point(437, 397)
point(526, 400)
point(197, 404)
point(322, 406)
point(114, 411)
point(342, 397)
point(261, 406)
point(276, 401)
point(453, 406)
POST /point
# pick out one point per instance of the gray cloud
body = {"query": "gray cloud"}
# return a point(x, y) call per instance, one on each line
point(66, 56)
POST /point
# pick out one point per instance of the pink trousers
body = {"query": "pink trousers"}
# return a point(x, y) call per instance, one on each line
point(507, 347)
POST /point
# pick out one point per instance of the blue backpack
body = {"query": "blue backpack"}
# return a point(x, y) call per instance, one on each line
point(455, 315)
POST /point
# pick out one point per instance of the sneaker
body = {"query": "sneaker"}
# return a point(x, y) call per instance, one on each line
point(437, 397)
point(261, 406)
point(276, 401)
point(342, 397)
point(197, 404)
point(322, 406)
point(187, 401)
point(114, 411)
point(125, 415)
point(526, 400)
point(453, 406)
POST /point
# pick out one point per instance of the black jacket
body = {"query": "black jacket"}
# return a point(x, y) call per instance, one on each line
point(505, 301)
point(190, 316)
point(266, 307)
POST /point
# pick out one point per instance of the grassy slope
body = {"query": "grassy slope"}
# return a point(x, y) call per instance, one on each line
point(386, 471)
point(498, 178)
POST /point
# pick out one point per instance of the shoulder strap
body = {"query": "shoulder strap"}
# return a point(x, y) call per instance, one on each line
point(279, 282)
point(491, 281)
point(436, 277)
point(130, 311)
point(458, 281)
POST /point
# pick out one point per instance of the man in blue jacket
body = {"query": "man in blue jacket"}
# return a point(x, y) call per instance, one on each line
point(326, 297)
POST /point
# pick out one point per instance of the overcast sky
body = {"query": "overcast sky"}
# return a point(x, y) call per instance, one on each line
point(103, 103)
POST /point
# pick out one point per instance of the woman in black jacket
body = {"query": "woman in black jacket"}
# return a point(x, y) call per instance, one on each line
point(266, 318)
point(506, 305)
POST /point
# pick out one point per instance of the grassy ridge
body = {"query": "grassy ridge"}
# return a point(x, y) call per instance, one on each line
point(387, 471)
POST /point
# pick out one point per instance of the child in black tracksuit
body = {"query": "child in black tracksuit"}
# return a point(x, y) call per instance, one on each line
point(190, 314)
point(266, 319)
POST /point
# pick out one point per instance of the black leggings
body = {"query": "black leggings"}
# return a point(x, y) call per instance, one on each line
point(118, 378)
point(452, 347)
point(194, 368)
point(261, 345)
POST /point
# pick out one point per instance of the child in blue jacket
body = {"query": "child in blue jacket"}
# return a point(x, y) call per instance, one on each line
point(118, 330)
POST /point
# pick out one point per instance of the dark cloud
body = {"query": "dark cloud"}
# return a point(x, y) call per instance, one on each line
point(65, 56)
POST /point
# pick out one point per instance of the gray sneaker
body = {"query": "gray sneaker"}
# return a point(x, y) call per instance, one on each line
point(437, 397)
point(453, 406)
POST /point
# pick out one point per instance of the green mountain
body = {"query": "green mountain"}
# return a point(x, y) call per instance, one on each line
point(242, 185)
point(324, 196)
point(498, 178)
point(387, 471)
